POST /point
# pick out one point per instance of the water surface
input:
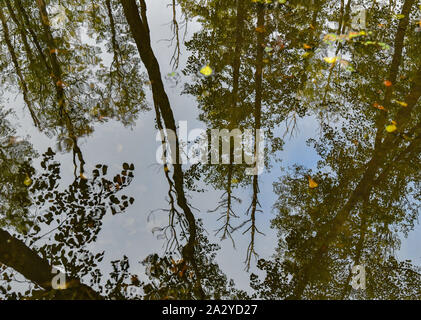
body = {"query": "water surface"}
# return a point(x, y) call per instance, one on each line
point(88, 212)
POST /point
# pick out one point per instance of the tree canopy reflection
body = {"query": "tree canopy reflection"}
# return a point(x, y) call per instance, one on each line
point(273, 65)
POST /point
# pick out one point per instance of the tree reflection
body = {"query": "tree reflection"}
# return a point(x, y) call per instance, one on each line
point(273, 66)
point(74, 217)
point(354, 216)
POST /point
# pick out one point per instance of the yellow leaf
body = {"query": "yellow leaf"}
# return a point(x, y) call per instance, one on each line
point(352, 35)
point(401, 103)
point(312, 184)
point(391, 128)
point(206, 70)
point(28, 181)
point(331, 60)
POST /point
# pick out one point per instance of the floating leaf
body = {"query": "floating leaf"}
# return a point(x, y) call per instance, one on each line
point(311, 183)
point(28, 181)
point(387, 83)
point(260, 29)
point(399, 16)
point(369, 42)
point(206, 71)
point(384, 45)
point(391, 127)
point(60, 83)
point(331, 60)
point(268, 49)
point(352, 35)
point(378, 106)
point(401, 103)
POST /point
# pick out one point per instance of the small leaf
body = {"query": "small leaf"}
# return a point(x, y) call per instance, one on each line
point(312, 184)
point(28, 181)
point(378, 106)
point(388, 83)
point(206, 71)
point(401, 103)
point(331, 60)
point(391, 128)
